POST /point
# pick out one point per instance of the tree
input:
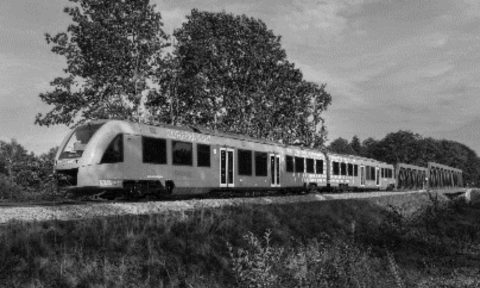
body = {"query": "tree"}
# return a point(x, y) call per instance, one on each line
point(355, 145)
point(230, 73)
point(109, 49)
point(369, 148)
point(398, 147)
point(340, 146)
point(17, 164)
point(45, 168)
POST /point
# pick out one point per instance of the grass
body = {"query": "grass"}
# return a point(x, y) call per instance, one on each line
point(356, 243)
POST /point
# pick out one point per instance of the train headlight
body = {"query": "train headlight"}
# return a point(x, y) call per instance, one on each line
point(110, 183)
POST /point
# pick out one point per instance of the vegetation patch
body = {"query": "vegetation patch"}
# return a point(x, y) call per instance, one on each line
point(352, 243)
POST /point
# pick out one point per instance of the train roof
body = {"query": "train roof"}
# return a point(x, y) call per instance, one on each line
point(356, 157)
point(241, 137)
point(201, 130)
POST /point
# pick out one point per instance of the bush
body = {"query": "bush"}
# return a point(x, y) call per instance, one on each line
point(311, 264)
point(10, 190)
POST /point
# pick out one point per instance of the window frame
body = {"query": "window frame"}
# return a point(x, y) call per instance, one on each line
point(289, 165)
point(173, 142)
point(343, 169)
point(257, 155)
point(121, 158)
point(209, 155)
point(299, 161)
point(312, 164)
point(335, 168)
point(317, 161)
point(349, 169)
point(240, 158)
point(165, 151)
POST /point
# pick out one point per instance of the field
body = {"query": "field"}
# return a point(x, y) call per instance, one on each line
point(414, 240)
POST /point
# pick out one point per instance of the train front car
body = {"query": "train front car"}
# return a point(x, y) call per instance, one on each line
point(90, 160)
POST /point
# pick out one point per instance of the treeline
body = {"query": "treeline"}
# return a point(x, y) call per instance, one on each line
point(412, 148)
point(25, 175)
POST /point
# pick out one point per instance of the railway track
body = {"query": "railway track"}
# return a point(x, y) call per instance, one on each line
point(76, 210)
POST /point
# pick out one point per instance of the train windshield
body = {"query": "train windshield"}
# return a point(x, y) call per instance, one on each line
point(79, 140)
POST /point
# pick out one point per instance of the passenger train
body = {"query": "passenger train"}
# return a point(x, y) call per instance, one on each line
point(112, 157)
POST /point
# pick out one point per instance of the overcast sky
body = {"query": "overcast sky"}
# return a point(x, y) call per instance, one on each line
point(389, 65)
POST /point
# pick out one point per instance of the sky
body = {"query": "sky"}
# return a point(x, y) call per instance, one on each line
point(389, 65)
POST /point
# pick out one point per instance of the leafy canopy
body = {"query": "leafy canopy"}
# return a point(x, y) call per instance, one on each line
point(109, 49)
point(230, 73)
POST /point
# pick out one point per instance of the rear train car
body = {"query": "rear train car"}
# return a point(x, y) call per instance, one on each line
point(444, 177)
point(410, 177)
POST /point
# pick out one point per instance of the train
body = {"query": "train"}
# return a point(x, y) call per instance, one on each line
point(118, 157)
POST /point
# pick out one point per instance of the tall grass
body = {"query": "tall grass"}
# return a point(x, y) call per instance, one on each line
point(334, 244)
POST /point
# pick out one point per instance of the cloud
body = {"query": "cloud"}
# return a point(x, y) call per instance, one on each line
point(340, 88)
point(328, 19)
point(173, 19)
point(5, 139)
point(436, 70)
point(436, 40)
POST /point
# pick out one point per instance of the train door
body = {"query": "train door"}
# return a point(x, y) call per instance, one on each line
point(275, 170)
point(226, 167)
point(362, 175)
point(378, 175)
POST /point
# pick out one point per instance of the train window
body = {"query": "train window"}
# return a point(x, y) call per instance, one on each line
point(372, 173)
point(355, 170)
point(310, 167)
point(78, 141)
point(289, 161)
point(154, 150)
point(261, 166)
point(299, 165)
point(203, 155)
point(343, 170)
point(319, 166)
point(367, 174)
point(114, 151)
point(336, 168)
point(244, 162)
point(383, 172)
point(181, 153)
point(350, 169)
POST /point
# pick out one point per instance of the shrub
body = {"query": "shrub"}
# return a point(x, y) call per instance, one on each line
point(10, 190)
point(310, 264)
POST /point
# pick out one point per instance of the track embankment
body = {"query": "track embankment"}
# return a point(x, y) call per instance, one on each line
point(409, 200)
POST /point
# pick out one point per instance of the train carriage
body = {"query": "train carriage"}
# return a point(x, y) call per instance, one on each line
point(350, 172)
point(119, 155)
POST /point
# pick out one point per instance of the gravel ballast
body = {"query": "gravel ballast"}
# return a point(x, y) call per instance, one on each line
point(73, 212)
